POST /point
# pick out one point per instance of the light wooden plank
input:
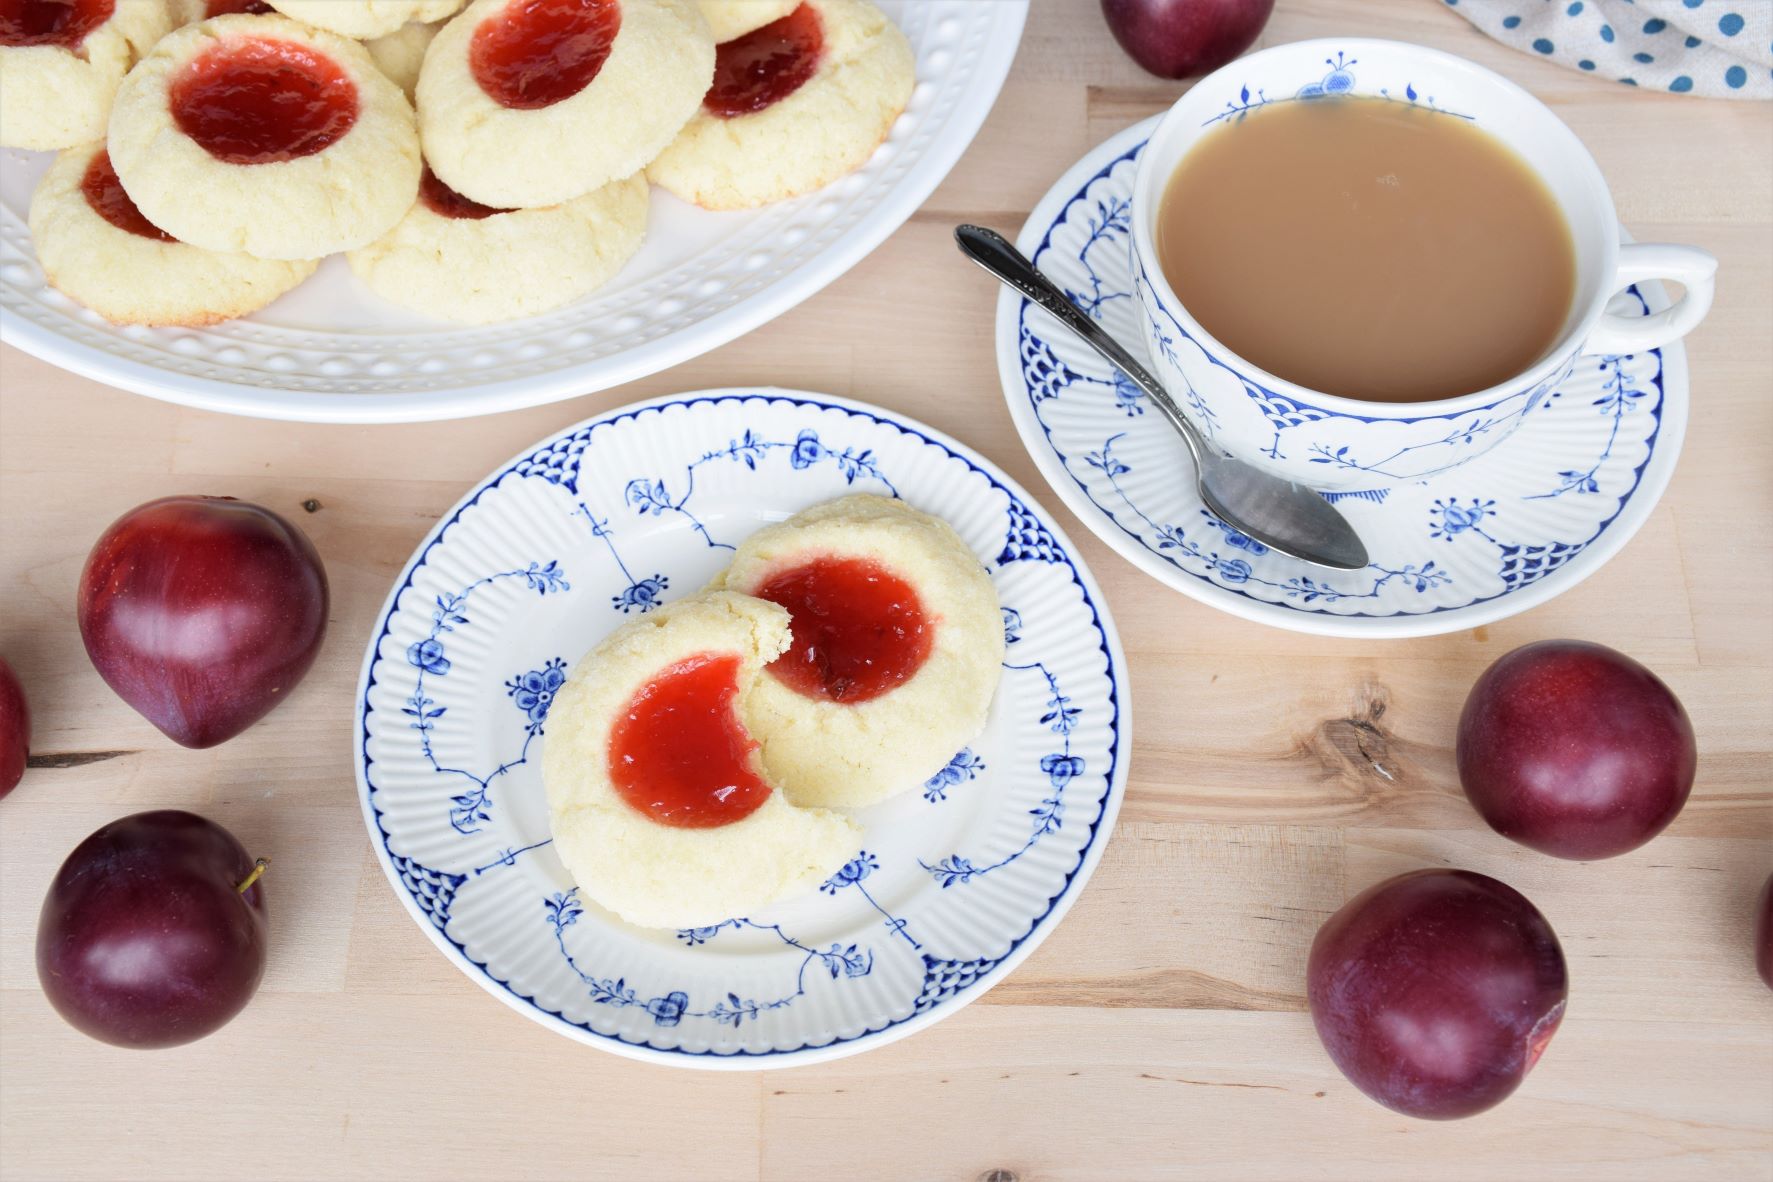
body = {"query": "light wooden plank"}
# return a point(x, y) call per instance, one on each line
point(1088, 1094)
point(1160, 1032)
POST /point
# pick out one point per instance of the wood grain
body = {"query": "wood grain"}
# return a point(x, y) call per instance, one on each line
point(1160, 1033)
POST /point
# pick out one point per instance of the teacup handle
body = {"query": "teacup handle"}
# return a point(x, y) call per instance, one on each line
point(1689, 266)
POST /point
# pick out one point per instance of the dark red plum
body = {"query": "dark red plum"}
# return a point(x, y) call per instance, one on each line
point(1764, 932)
point(1435, 992)
point(1185, 38)
point(147, 938)
point(202, 613)
point(15, 729)
point(1575, 750)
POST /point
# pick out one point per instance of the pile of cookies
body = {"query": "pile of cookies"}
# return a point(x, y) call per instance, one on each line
point(474, 163)
point(706, 759)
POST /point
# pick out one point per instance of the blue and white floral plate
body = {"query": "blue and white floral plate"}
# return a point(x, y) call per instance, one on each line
point(1486, 540)
point(955, 883)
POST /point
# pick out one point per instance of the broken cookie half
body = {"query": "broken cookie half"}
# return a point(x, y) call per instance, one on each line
point(660, 804)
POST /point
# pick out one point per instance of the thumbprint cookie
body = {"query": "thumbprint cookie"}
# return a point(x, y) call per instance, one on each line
point(363, 19)
point(189, 12)
point(534, 102)
point(97, 248)
point(459, 260)
point(61, 62)
point(734, 18)
point(659, 807)
point(401, 53)
point(794, 105)
point(896, 649)
point(259, 134)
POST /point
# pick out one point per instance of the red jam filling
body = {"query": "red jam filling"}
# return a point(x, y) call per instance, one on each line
point(859, 629)
point(445, 202)
point(258, 101)
point(64, 23)
point(680, 755)
point(227, 7)
point(765, 65)
point(104, 192)
point(539, 52)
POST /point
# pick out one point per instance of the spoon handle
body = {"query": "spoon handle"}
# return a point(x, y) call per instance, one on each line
point(994, 252)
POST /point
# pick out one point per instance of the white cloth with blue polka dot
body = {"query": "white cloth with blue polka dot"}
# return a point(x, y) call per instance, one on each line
point(1708, 48)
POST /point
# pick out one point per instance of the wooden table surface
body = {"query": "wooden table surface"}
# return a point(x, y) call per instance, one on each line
point(1161, 1031)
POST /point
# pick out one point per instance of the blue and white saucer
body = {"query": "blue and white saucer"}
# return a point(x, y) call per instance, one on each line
point(955, 883)
point(1483, 541)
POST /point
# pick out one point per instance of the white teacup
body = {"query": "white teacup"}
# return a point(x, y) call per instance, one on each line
point(1332, 442)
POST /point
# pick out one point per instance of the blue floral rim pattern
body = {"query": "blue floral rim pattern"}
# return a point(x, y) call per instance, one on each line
point(428, 892)
point(1092, 212)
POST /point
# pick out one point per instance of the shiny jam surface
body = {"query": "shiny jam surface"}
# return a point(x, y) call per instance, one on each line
point(539, 52)
point(765, 65)
point(859, 629)
point(63, 23)
point(104, 192)
point(679, 753)
point(228, 7)
point(259, 101)
point(445, 202)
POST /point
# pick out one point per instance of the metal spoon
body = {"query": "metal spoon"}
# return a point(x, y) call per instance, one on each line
point(1281, 515)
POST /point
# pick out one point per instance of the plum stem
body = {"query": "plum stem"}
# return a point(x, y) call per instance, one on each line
point(258, 868)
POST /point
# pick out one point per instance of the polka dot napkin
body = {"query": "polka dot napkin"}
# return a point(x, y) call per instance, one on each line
point(1711, 48)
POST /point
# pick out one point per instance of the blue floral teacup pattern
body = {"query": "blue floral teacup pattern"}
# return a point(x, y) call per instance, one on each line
point(1342, 444)
point(1473, 544)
